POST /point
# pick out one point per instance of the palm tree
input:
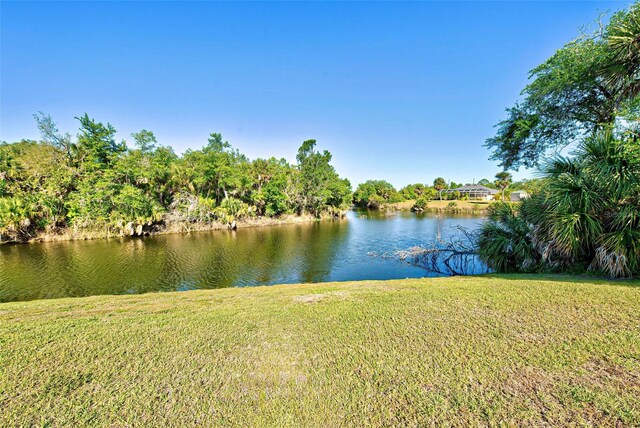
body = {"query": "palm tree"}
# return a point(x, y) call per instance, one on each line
point(623, 71)
point(587, 215)
point(503, 180)
point(439, 184)
point(504, 242)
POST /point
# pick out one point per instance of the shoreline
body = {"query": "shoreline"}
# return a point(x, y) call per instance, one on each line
point(68, 234)
point(437, 206)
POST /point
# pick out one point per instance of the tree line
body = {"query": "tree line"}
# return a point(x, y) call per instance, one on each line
point(93, 182)
point(375, 193)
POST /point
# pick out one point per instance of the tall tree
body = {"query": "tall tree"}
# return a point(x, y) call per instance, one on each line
point(317, 178)
point(51, 134)
point(623, 36)
point(439, 184)
point(503, 180)
point(573, 95)
point(96, 145)
point(145, 140)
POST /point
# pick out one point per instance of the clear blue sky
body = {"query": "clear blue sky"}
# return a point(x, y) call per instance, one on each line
point(398, 91)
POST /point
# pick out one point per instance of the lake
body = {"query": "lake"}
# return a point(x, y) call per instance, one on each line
point(342, 250)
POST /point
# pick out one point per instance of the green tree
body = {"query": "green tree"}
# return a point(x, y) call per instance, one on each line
point(374, 193)
point(622, 73)
point(98, 184)
point(51, 135)
point(413, 191)
point(503, 180)
point(145, 140)
point(574, 94)
point(317, 178)
point(96, 146)
point(217, 170)
point(505, 242)
point(439, 184)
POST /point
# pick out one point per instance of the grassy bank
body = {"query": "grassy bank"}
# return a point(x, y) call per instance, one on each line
point(510, 350)
point(471, 207)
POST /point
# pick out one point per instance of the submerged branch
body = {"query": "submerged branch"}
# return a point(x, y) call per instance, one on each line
point(456, 256)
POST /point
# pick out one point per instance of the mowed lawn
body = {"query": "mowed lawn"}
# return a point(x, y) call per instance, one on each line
point(464, 351)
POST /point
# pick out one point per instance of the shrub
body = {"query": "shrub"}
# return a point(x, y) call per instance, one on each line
point(505, 243)
point(375, 201)
point(586, 217)
point(420, 205)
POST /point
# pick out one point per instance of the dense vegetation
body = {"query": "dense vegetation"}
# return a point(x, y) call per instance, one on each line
point(587, 214)
point(96, 183)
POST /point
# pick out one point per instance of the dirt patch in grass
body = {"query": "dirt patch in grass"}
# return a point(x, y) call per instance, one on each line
point(309, 298)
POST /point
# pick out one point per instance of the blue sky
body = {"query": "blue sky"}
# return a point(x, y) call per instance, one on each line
point(398, 91)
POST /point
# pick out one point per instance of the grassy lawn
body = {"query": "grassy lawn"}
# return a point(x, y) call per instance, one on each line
point(437, 205)
point(490, 350)
point(467, 205)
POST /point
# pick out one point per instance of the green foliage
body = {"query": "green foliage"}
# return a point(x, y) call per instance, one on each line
point(578, 91)
point(215, 171)
point(429, 193)
point(145, 140)
point(16, 216)
point(503, 180)
point(587, 215)
point(455, 195)
point(418, 191)
point(96, 147)
point(232, 209)
point(439, 184)
point(421, 204)
point(623, 36)
point(375, 201)
point(505, 243)
point(106, 202)
point(531, 186)
point(585, 212)
point(96, 183)
point(319, 184)
point(274, 187)
point(374, 193)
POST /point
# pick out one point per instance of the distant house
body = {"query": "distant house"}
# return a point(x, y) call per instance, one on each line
point(518, 195)
point(474, 191)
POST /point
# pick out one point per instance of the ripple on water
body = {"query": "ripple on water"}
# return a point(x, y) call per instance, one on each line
point(312, 252)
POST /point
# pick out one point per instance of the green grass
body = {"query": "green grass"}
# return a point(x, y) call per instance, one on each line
point(465, 351)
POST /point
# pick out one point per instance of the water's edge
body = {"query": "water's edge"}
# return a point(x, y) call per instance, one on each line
point(295, 250)
point(69, 234)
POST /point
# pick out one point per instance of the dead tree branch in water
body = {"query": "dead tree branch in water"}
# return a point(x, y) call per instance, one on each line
point(457, 256)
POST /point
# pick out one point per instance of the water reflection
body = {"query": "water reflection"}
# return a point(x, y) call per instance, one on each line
point(312, 252)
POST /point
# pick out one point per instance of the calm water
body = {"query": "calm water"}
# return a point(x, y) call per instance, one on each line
point(312, 252)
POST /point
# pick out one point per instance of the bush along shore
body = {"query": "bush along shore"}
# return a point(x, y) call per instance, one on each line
point(92, 186)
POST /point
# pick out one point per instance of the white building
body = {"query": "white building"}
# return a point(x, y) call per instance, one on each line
point(518, 195)
point(475, 191)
